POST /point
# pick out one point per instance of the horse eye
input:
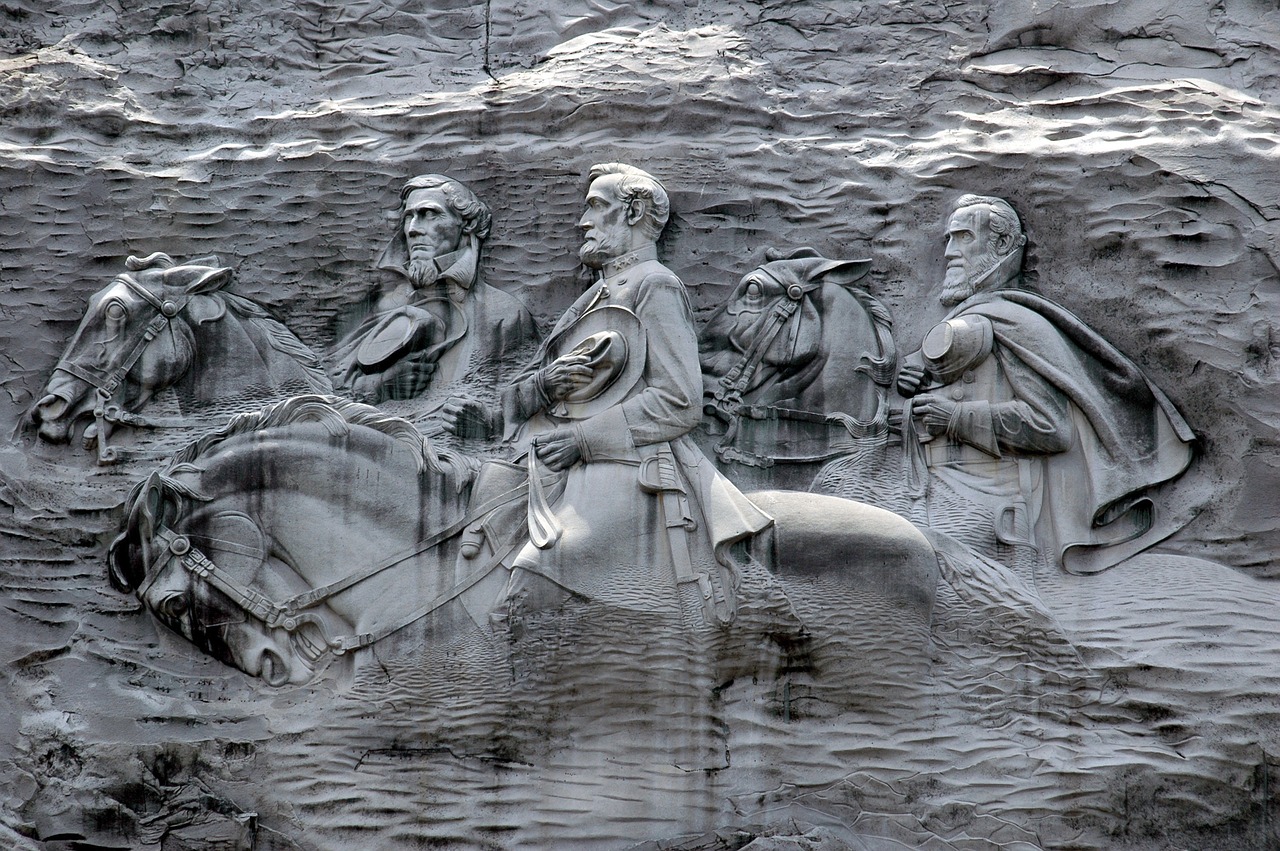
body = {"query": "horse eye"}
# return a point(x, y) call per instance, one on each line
point(753, 288)
point(115, 310)
point(173, 607)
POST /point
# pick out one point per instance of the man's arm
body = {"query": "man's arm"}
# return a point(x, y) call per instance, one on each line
point(1036, 421)
point(670, 404)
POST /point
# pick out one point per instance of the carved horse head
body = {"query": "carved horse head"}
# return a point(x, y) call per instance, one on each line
point(143, 333)
point(798, 336)
point(270, 545)
point(167, 571)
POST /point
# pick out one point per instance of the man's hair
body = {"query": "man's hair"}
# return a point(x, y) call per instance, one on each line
point(637, 183)
point(475, 214)
point(1001, 217)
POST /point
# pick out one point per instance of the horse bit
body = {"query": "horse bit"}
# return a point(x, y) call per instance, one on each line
point(289, 615)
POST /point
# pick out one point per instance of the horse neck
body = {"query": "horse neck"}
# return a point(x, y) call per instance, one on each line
point(236, 359)
point(348, 505)
point(840, 379)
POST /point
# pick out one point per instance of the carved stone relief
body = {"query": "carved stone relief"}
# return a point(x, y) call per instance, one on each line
point(768, 491)
point(439, 322)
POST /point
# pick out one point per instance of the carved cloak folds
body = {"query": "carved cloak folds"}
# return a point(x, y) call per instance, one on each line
point(1127, 435)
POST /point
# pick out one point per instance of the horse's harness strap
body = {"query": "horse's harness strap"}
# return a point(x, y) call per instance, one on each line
point(107, 384)
point(200, 566)
point(736, 380)
point(317, 595)
point(345, 644)
point(274, 615)
point(110, 382)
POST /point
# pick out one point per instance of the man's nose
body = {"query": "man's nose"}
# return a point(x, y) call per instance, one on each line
point(413, 225)
point(952, 249)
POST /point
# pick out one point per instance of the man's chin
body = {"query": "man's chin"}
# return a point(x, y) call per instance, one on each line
point(592, 258)
point(955, 289)
point(422, 274)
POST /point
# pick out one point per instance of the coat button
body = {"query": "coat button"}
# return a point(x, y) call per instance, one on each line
point(968, 376)
point(957, 394)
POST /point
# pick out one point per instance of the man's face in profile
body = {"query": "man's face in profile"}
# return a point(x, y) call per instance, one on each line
point(606, 234)
point(431, 228)
point(970, 254)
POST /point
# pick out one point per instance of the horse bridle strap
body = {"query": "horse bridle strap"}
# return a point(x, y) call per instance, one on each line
point(110, 382)
point(199, 565)
point(324, 592)
point(737, 379)
point(274, 615)
point(107, 385)
point(287, 615)
point(165, 310)
point(344, 644)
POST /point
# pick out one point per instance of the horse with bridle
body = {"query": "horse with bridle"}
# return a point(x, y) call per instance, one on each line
point(797, 365)
point(161, 325)
point(318, 527)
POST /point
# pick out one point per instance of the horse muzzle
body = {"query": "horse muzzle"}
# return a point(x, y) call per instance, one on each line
point(54, 415)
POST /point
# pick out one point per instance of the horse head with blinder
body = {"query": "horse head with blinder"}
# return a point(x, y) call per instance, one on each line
point(159, 325)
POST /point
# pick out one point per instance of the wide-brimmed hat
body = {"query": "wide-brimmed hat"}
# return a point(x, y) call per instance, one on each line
point(957, 344)
point(611, 340)
point(405, 330)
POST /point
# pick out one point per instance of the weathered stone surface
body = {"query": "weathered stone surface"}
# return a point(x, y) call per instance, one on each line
point(1138, 143)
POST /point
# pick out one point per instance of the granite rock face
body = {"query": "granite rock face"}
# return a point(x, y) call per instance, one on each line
point(1138, 143)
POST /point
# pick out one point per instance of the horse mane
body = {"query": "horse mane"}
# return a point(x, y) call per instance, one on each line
point(336, 415)
point(281, 338)
point(882, 368)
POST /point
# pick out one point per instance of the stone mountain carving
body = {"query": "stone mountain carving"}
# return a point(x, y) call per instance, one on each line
point(440, 321)
point(798, 362)
point(160, 325)
point(603, 415)
point(1028, 432)
point(320, 526)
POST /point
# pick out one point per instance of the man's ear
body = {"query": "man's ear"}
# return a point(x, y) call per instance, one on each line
point(635, 211)
point(1006, 243)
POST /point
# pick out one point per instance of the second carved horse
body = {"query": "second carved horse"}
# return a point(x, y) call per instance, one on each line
point(317, 527)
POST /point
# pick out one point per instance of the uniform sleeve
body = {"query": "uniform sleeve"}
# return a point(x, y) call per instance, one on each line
point(524, 395)
point(670, 403)
point(1036, 421)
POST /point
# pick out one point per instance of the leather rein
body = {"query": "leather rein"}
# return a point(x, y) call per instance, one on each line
point(108, 384)
point(291, 615)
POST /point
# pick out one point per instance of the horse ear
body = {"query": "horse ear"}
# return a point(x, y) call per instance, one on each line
point(205, 308)
point(802, 253)
point(843, 272)
point(210, 281)
point(122, 569)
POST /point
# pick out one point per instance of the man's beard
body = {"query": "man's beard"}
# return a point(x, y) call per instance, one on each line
point(597, 251)
point(961, 282)
point(422, 272)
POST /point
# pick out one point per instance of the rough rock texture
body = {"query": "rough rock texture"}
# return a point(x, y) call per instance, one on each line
point(1139, 142)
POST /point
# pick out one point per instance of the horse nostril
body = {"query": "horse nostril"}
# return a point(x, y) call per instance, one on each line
point(50, 407)
point(273, 668)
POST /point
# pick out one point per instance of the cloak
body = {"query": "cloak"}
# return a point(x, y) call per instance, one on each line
point(1128, 437)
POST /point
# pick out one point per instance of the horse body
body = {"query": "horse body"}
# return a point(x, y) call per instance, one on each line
point(162, 325)
point(319, 493)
